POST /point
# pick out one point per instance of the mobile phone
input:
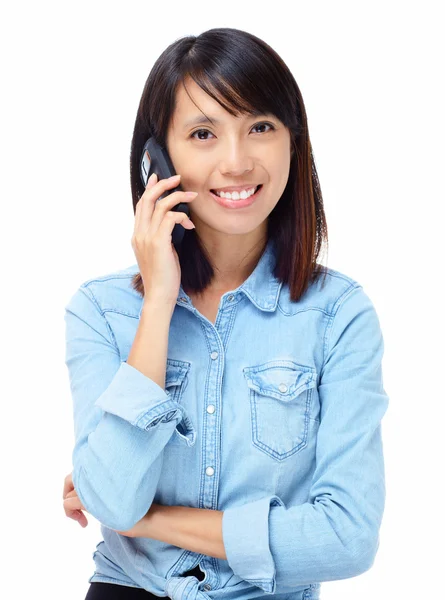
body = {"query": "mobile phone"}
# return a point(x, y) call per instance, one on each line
point(155, 159)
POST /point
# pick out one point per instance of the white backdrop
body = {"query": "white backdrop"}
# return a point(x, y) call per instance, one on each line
point(72, 74)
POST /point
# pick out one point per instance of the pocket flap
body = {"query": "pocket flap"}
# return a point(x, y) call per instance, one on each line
point(283, 380)
point(175, 372)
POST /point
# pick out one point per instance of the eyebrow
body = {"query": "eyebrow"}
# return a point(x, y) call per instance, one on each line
point(201, 119)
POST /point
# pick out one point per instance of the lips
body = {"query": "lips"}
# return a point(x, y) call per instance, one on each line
point(228, 203)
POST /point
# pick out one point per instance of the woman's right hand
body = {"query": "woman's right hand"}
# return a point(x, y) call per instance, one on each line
point(152, 239)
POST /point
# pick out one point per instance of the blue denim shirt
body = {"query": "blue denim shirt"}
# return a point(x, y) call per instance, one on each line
point(272, 415)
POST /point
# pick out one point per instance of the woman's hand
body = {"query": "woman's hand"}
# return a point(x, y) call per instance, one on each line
point(152, 238)
point(73, 509)
point(71, 503)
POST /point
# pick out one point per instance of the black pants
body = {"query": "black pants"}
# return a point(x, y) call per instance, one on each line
point(111, 591)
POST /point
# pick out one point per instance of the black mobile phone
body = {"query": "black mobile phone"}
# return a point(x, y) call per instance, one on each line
point(155, 159)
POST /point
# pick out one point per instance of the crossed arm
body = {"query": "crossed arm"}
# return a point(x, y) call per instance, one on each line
point(195, 529)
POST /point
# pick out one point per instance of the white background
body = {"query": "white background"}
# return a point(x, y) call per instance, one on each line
point(72, 75)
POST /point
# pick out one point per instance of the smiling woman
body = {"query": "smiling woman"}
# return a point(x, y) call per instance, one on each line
point(227, 398)
point(256, 134)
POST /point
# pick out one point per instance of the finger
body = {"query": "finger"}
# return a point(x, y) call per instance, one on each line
point(67, 484)
point(81, 518)
point(73, 494)
point(73, 503)
point(149, 201)
point(73, 507)
point(152, 180)
point(73, 513)
point(169, 221)
point(77, 515)
point(165, 205)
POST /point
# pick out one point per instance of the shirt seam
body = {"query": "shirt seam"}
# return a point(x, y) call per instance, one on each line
point(92, 297)
point(101, 278)
point(330, 324)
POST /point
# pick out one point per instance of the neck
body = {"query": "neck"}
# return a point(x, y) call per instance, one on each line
point(233, 261)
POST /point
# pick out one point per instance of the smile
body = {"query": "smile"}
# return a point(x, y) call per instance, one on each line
point(241, 203)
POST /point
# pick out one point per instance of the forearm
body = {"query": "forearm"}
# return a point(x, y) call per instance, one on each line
point(148, 353)
point(195, 529)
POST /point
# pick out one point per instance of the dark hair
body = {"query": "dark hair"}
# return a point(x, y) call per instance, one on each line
point(246, 76)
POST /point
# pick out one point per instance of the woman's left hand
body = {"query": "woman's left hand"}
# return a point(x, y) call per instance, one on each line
point(72, 503)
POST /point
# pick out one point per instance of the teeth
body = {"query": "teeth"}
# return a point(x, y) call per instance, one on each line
point(235, 195)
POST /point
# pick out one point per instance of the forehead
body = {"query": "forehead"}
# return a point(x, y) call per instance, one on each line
point(195, 103)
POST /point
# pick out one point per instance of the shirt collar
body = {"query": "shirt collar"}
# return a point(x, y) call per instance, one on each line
point(261, 287)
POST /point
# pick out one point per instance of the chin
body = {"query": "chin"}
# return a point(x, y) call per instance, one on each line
point(234, 228)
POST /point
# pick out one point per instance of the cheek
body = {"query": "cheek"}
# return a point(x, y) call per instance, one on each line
point(282, 176)
point(199, 204)
point(191, 184)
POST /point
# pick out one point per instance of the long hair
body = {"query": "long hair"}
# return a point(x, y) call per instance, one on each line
point(245, 76)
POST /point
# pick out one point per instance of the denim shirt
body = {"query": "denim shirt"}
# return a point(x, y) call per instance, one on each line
point(271, 415)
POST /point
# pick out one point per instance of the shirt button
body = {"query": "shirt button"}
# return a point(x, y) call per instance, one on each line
point(183, 299)
point(210, 471)
point(282, 387)
point(207, 587)
point(214, 355)
point(230, 298)
point(211, 409)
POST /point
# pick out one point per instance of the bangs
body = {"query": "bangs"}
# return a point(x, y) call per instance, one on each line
point(234, 100)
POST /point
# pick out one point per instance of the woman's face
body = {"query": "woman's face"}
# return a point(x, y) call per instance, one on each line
point(236, 151)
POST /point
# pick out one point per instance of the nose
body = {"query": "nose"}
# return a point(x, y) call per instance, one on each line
point(236, 160)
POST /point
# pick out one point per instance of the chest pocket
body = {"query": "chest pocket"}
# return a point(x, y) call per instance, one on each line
point(280, 406)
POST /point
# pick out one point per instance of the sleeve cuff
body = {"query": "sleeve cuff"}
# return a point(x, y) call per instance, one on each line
point(143, 403)
point(246, 541)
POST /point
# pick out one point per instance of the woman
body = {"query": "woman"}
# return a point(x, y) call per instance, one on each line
point(227, 397)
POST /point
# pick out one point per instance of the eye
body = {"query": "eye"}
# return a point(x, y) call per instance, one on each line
point(192, 135)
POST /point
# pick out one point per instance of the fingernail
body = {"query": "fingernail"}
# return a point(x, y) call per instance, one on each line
point(175, 176)
point(191, 194)
point(151, 178)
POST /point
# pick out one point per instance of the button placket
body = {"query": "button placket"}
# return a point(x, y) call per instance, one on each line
point(211, 409)
point(212, 423)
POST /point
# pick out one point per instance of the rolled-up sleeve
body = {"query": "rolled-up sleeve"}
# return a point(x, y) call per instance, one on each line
point(335, 533)
point(122, 420)
point(246, 541)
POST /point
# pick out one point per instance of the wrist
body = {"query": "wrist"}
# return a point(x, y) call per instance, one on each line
point(157, 308)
